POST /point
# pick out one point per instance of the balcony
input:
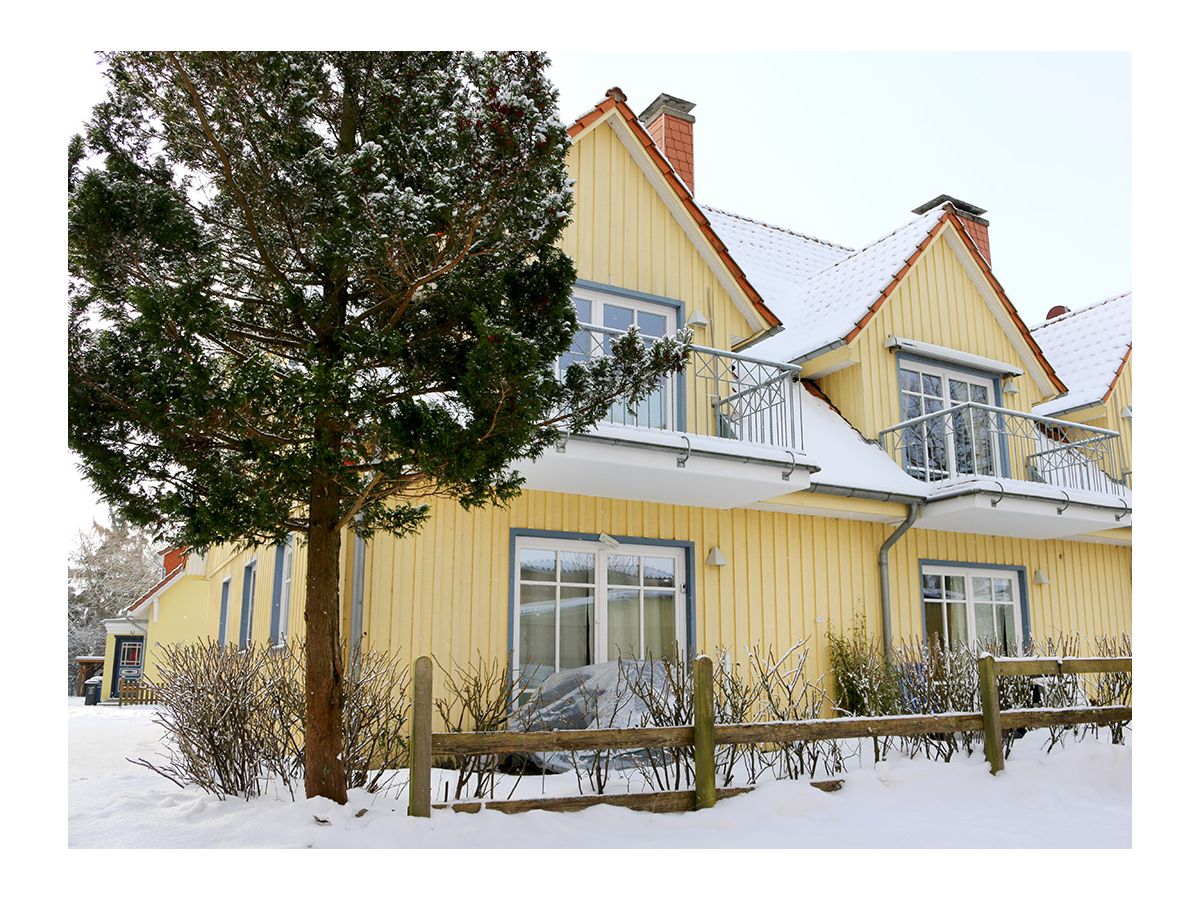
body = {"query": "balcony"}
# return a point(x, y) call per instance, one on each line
point(1020, 461)
point(724, 432)
point(720, 394)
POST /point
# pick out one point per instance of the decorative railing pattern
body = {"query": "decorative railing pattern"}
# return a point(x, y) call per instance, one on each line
point(977, 439)
point(720, 394)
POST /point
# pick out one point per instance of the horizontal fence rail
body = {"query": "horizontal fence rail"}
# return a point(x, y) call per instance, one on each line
point(719, 394)
point(992, 668)
point(706, 734)
point(977, 439)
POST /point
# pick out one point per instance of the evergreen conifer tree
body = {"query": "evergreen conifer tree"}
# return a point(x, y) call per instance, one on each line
point(311, 291)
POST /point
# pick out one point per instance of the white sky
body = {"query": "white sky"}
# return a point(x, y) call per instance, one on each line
point(842, 145)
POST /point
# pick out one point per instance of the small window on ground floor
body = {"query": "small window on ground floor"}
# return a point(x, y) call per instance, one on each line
point(579, 602)
point(972, 606)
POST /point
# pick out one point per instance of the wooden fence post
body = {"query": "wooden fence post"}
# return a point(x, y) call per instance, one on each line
point(989, 699)
point(420, 748)
point(706, 760)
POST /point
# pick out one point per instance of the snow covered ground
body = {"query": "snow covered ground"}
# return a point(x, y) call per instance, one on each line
point(1077, 796)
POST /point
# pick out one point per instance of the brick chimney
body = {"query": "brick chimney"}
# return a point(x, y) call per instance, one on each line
point(669, 121)
point(172, 557)
point(971, 217)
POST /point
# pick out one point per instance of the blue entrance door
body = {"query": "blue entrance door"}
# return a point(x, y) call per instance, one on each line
point(127, 661)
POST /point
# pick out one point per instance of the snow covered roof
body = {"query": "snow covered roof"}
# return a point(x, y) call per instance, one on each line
point(165, 582)
point(775, 259)
point(846, 458)
point(1087, 348)
point(827, 305)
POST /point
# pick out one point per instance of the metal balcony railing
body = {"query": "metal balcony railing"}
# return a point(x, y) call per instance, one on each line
point(719, 394)
point(976, 439)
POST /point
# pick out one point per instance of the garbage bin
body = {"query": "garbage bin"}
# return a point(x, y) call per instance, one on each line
point(91, 690)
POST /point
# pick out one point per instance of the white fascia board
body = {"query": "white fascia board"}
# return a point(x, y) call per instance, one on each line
point(686, 222)
point(123, 626)
point(1048, 388)
point(955, 357)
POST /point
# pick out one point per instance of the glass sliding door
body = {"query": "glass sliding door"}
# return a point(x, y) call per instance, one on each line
point(961, 443)
point(654, 320)
point(579, 602)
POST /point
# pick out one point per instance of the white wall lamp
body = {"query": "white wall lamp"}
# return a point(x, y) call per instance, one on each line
point(1127, 412)
point(1040, 577)
point(1010, 386)
point(716, 557)
point(609, 541)
point(696, 320)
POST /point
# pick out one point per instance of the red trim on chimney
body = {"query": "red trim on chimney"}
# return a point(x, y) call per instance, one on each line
point(681, 191)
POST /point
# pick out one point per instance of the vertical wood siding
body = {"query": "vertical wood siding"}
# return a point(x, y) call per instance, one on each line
point(623, 234)
point(790, 577)
point(938, 303)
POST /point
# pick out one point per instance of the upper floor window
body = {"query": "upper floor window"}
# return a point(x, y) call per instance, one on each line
point(956, 443)
point(654, 320)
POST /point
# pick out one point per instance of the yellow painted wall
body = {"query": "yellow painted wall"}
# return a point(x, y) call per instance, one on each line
point(1122, 396)
point(446, 590)
point(182, 614)
point(623, 234)
point(110, 646)
point(227, 562)
point(936, 302)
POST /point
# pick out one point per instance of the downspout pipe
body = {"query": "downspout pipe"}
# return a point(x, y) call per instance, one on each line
point(884, 586)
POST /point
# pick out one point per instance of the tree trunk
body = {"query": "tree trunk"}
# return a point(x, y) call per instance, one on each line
point(324, 769)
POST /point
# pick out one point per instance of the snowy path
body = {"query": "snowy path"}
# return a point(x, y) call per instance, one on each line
point(1079, 796)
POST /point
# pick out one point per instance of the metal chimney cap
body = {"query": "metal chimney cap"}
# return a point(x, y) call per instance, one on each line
point(965, 209)
point(665, 103)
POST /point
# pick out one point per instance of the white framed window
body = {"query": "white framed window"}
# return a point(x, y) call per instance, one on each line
point(654, 320)
point(962, 443)
point(972, 605)
point(249, 576)
point(223, 623)
point(579, 602)
point(281, 593)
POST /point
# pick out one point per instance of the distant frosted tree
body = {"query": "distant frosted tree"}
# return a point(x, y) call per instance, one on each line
point(109, 568)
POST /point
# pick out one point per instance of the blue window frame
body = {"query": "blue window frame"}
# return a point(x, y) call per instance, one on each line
point(281, 592)
point(247, 622)
point(967, 602)
point(223, 625)
point(575, 601)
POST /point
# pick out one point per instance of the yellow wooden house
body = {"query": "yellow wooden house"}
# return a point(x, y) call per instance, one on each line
point(862, 434)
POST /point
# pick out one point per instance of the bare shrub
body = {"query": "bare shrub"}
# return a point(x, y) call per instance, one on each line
point(478, 696)
point(783, 694)
point(223, 723)
point(233, 720)
point(663, 688)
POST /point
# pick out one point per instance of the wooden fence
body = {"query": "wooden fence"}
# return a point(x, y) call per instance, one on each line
point(132, 692)
point(705, 735)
